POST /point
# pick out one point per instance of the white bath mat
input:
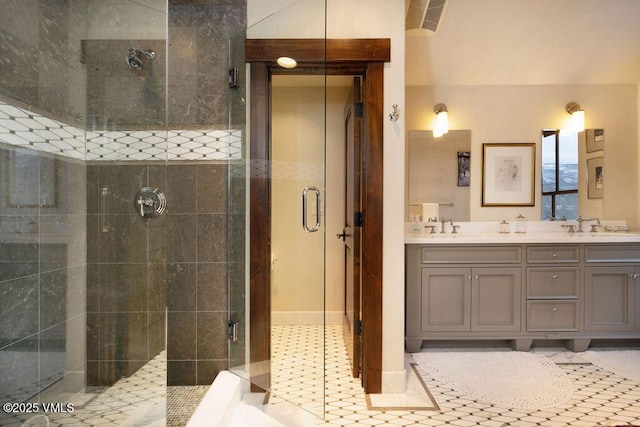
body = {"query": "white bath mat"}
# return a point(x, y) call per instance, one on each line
point(624, 363)
point(508, 379)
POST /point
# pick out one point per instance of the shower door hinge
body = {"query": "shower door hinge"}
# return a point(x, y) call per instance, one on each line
point(233, 78)
point(359, 110)
point(232, 331)
point(358, 219)
point(357, 328)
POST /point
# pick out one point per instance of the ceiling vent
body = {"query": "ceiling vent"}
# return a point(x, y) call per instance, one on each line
point(424, 14)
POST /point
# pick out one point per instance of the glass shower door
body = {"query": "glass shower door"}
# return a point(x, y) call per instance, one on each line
point(298, 231)
point(277, 299)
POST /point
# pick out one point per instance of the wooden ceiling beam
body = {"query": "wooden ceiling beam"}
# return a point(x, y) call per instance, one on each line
point(318, 50)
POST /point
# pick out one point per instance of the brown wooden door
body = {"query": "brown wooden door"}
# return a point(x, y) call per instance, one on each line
point(351, 233)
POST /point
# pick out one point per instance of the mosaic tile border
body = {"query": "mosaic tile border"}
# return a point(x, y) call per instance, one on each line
point(28, 129)
point(24, 128)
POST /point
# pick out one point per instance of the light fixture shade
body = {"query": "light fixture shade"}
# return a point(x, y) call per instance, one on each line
point(577, 121)
point(577, 116)
point(442, 120)
point(286, 62)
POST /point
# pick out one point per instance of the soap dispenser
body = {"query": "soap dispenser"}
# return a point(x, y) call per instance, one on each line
point(521, 224)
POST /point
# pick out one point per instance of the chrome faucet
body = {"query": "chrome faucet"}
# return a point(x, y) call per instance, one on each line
point(444, 221)
point(593, 227)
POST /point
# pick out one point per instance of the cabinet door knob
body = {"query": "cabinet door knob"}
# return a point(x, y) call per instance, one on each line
point(635, 275)
point(477, 277)
point(469, 277)
point(554, 309)
point(554, 255)
point(554, 276)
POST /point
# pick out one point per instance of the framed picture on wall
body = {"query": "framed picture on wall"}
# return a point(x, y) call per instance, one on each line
point(508, 172)
point(595, 177)
point(595, 140)
point(464, 168)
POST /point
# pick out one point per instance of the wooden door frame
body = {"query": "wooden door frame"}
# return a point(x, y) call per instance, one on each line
point(315, 56)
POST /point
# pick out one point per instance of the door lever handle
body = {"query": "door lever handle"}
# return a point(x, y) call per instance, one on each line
point(343, 235)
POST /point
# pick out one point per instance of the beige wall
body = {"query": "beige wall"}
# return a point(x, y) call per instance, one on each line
point(501, 114)
point(637, 180)
point(380, 18)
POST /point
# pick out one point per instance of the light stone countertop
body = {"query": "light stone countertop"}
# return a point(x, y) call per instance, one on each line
point(537, 232)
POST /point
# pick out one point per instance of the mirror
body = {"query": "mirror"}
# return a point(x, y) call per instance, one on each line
point(572, 174)
point(572, 178)
point(439, 174)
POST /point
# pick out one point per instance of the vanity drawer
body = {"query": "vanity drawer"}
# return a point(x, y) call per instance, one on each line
point(552, 254)
point(552, 282)
point(561, 315)
point(471, 254)
point(612, 253)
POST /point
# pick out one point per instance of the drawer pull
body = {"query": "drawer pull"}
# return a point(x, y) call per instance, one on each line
point(554, 276)
point(554, 255)
point(554, 309)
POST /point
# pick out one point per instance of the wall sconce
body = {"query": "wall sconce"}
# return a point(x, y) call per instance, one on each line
point(442, 120)
point(577, 116)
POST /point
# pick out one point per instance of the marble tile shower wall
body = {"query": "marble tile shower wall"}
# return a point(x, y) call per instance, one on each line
point(126, 274)
point(137, 268)
point(203, 37)
point(41, 63)
point(182, 260)
point(42, 201)
point(42, 273)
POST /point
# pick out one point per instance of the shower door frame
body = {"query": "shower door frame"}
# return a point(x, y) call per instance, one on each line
point(364, 57)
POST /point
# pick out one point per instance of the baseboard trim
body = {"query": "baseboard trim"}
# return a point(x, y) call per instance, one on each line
point(394, 381)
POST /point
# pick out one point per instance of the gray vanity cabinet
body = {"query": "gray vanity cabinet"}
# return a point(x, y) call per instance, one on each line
point(611, 284)
point(610, 298)
point(470, 299)
point(553, 288)
point(462, 291)
point(496, 298)
point(444, 300)
point(572, 292)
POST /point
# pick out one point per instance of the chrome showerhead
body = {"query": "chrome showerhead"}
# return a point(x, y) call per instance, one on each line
point(134, 59)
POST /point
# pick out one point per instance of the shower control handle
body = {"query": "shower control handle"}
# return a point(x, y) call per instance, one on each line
point(150, 202)
point(142, 202)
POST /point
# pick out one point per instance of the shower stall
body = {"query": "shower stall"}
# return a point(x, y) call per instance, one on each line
point(126, 272)
point(122, 205)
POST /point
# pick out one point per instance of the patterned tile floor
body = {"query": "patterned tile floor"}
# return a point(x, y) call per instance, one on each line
point(299, 367)
point(600, 397)
point(139, 400)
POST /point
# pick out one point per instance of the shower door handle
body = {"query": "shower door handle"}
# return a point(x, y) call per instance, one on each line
point(305, 226)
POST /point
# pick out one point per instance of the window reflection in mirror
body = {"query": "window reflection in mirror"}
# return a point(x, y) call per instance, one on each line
point(559, 175)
